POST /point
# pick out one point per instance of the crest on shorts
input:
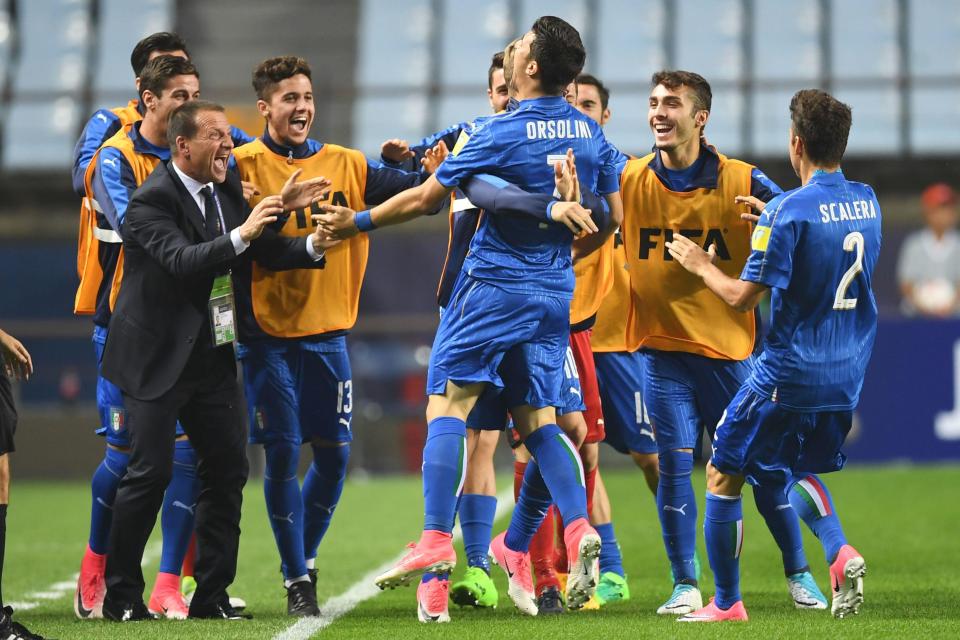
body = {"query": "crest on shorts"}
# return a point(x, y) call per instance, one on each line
point(116, 418)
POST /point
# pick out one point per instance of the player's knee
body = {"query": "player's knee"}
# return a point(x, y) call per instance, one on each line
point(282, 458)
point(330, 458)
point(722, 484)
point(676, 462)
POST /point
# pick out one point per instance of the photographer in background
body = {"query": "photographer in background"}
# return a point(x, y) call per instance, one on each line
point(928, 269)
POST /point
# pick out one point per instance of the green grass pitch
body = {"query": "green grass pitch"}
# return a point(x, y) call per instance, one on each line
point(903, 519)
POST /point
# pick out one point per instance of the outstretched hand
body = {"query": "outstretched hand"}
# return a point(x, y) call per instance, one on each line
point(336, 222)
point(565, 178)
point(300, 195)
point(689, 254)
point(396, 150)
point(754, 203)
point(434, 157)
point(573, 216)
point(264, 213)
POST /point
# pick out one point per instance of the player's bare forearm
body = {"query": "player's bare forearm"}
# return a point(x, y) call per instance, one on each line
point(739, 294)
point(588, 244)
point(410, 204)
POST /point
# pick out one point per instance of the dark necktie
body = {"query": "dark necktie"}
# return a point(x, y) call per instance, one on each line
point(211, 213)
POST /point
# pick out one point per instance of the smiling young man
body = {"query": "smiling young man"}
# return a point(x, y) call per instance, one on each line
point(696, 350)
point(116, 170)
point(293, 325)
point(814, 248)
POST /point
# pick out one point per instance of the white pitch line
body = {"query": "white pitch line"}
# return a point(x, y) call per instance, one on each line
point(62, 588)
point(364, 589)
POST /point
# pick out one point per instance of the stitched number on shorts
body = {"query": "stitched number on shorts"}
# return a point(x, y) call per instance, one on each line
point(641, 409)
point(345, 396)
point(570, 365)
point(853, 242)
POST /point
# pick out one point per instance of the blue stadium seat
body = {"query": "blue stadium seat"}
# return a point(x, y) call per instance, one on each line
point(379, 118)
point(934, 31)
point(714, 51)
point(576, 12)
point(770, 124)
point(40, 135)
point(122, 25)
point(930, 109)
point(876, 119)
point(459, 108)
point(54, 40)
point(394, 43)
point(863, 39)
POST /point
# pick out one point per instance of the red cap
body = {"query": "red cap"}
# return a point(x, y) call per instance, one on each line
point(938, 195)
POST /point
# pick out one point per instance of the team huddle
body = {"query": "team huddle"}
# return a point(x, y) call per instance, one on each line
point(586, 296)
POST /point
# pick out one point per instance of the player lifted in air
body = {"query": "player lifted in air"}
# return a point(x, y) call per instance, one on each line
point(814, 248)
point(510, 306)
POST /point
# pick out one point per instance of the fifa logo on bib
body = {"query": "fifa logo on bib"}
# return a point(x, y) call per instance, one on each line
point(116, 418)
point(649, 240)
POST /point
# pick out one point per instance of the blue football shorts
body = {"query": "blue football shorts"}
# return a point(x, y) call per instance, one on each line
point(626, 421)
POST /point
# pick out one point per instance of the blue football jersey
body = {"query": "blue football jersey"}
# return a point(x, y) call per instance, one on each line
point(816, 248)
point(516, 252)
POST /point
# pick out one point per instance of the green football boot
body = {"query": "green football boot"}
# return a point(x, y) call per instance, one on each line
point(476, 589)
point(612, 588)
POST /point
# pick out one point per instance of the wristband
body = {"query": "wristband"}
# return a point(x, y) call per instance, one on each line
point(363, 221)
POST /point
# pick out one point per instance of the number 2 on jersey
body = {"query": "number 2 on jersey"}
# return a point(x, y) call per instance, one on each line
point(853, 242)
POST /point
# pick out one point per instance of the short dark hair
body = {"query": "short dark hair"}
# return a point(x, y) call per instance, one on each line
point(160, 41)
point(269, 73)
point(496, 62)
point(823, 123)
point(594, 81)
point(672, 79)
point(158, 72)
point(559, 53)
point(183, 120)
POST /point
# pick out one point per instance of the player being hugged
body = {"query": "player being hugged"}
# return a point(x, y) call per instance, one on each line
point(815, 248)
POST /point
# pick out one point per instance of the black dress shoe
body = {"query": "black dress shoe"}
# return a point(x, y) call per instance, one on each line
point(217, 611)
point(125, 611)
point(302, 599)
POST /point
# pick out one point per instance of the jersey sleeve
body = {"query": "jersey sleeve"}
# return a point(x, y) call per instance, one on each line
point(772, 246)
point(448, 136)
point(384, 182)
point(496, 195)
point(101, 126)
point(612, 162)
point(113, 184)
point(762, 187)
point(479, 155)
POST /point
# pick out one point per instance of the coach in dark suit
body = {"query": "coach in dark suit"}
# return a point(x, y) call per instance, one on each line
point(187, 224)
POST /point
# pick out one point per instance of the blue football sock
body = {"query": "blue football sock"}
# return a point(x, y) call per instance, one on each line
point(561, 469)
point(610, 558)
point(281, 492)
point(532, 504)
point(444, 469)
point(677, 507)
point(814, 504)
point(179, 501)
point(476, 520)
point(103, 487)
point(781, 519)
point(427, 577)
point(321, 491)
point(723, 530)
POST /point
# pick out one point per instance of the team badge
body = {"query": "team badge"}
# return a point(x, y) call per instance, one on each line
point(116, 418)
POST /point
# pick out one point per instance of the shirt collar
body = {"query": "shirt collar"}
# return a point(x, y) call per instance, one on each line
point(300, 151)
point(827, 177)
point(545, 100)
point(512, 104)
point(142, 145)
point(708, 176)
point(193, 186)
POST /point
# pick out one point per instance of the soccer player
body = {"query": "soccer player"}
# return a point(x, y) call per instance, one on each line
point(696, 351)
point(121, 164)
point(106, 122)
point(17, 364)
point(293, 324)
point(814, 248)
point(612, 298)
point(510, 305)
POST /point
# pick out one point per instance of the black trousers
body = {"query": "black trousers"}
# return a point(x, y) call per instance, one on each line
point(206, 400)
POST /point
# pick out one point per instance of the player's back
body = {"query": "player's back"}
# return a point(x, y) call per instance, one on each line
point(824, 317)
point(521, 253)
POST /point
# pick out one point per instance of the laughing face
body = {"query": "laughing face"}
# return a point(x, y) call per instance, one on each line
point(208, 153)
point(674, 119)
point(289, 111)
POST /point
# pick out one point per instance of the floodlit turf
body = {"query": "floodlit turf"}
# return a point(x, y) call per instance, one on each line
point(903, 520)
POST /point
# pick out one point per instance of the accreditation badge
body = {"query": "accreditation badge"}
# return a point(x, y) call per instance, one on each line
point(223, 317)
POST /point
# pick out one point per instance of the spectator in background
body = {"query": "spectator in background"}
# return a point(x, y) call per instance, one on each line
point(929, 265)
